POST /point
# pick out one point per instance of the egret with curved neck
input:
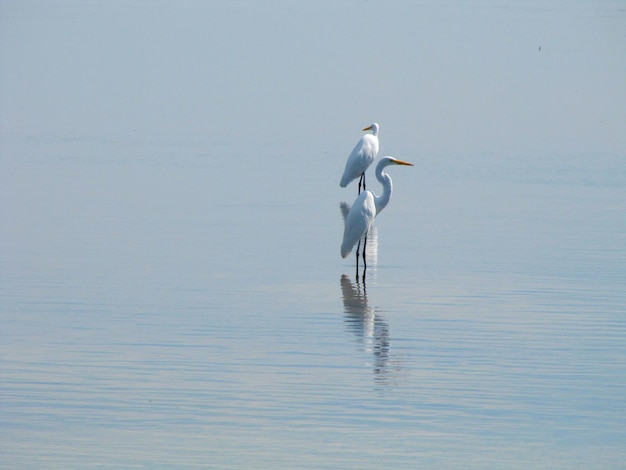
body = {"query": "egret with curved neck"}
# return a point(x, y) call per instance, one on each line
point(361, 157)
point(366, 207)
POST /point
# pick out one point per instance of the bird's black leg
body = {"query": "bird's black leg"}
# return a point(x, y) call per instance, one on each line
point(364, 261)
point(361, 182)
point(357, 260)
point(363, 176)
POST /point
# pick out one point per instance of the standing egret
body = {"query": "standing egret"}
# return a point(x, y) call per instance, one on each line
point(365, 209)
point(362, 156)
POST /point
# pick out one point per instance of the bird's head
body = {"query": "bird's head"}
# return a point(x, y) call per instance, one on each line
point(394, 161)
point(372, 127)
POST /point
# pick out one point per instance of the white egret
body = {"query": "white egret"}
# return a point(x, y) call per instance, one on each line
point(366, 207)
point(362, 156)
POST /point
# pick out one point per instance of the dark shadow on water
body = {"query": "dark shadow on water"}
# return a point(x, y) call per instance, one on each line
point(371, 330)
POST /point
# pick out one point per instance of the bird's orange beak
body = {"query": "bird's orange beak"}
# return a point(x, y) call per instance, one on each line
point(402, 162)
point(367, 128)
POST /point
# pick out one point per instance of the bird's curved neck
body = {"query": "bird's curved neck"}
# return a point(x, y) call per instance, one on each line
point(382, 200)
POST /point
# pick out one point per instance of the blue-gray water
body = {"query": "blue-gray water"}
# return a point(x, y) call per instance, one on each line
point(172, 294)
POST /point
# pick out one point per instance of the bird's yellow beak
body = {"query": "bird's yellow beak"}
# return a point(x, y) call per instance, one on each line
point(367, 128)
point(401, 162)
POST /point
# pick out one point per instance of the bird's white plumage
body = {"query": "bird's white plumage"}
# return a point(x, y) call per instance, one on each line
point(367, 206)
point(362, 156)
point(358, 221)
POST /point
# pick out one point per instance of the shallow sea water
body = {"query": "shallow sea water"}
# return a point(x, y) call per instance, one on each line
point(181, 303)
point(221, 335)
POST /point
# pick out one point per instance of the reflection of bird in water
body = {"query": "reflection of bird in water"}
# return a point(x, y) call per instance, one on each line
point(365, 324)
point(362, 156)
point(366, 207)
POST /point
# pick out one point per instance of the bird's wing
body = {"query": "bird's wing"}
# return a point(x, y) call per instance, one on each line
point(358, 221)
point(360, 159)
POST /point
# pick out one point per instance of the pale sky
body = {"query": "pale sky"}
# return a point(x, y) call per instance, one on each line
point(441, 77)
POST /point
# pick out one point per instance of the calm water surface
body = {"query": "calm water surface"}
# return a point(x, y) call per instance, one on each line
point(178, 301)
point(194, 324)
